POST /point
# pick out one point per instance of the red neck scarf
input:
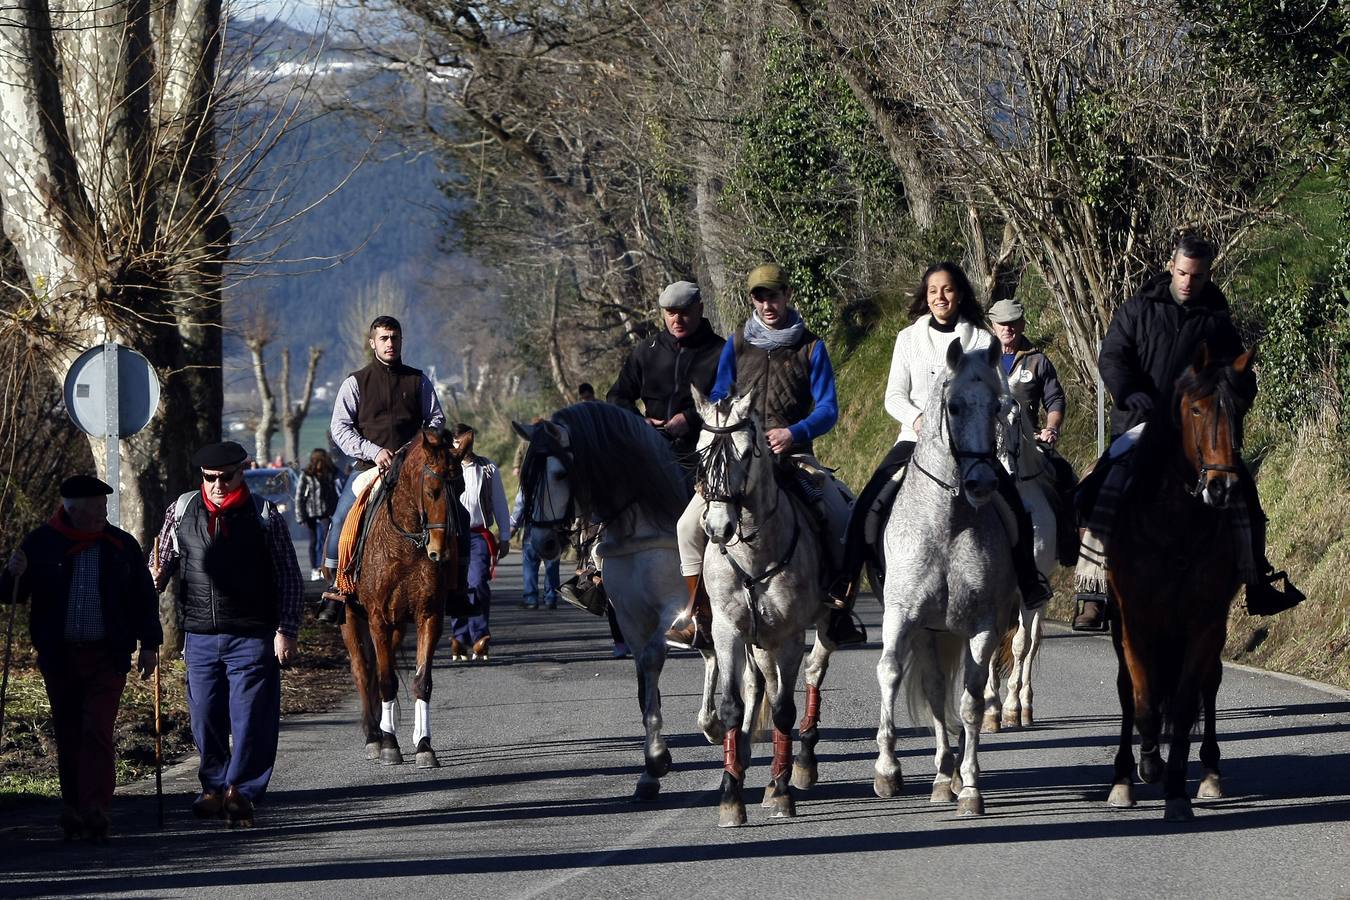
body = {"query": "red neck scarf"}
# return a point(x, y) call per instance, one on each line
point(80, 540)
point(233, 500)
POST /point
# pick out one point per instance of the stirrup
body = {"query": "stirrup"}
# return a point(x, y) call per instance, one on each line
point(1265, 599)
point(1080, 600)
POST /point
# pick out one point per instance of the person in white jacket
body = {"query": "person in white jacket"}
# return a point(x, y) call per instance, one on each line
point(944, 309)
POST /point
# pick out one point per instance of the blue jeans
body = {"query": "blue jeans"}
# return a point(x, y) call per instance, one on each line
point(233, 688)
point(318, 536)
point(468, 629)
point(344, 506)
point(530, 562)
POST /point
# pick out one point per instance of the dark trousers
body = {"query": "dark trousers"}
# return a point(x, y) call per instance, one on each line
point(84, 685)
point(469, 628)
point(234, 689)
point(530, 563)
point(613, 620)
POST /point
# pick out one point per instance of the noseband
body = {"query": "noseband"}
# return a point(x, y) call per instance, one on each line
point(1223, 412)
point(420, 536)
point(988, 457)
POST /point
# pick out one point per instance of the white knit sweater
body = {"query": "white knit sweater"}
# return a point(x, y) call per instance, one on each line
point(919, 359)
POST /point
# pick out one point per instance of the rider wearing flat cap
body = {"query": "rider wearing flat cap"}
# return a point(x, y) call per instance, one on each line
point(93, 602)
point(241, 603)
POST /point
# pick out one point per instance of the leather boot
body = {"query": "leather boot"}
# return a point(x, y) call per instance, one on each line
point(1265, 599)
point(844, 628)
point(693, 627)
point(238, 808)
point(1091, 614)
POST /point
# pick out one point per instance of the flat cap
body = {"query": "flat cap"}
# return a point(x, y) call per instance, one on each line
point(769, 275)
point(77, 486)
point(219, 456)
point(1006, 311)
point(680, 295)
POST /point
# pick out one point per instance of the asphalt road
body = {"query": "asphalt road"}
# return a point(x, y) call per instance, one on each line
point(541, 750)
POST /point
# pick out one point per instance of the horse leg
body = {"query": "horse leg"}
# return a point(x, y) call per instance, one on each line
point(995, 714)
point(356, 635)
point(656, 763)
point(784, 709)
point(428, 633)
point(708, 721)
point(1202, 657)
point(730, 651)
point(926, 665)
point(979, 650)
point(1210, 787)
point(1025, 658)
point(1122, 783)
point(888, 781)
point(804, 768)
point(384, 638)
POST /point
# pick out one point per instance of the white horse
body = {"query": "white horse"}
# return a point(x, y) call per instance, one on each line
point(1035, 477)
point(950, 588)
point(763, 576)
point(600, 463)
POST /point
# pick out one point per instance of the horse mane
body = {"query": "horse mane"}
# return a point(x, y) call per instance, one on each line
point(618, 460)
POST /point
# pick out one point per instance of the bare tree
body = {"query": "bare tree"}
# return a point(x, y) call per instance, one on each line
point(293, 414)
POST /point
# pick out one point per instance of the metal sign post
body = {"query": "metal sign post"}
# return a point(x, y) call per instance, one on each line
point(112, 432)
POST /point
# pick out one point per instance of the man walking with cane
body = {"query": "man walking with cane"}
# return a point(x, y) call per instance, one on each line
point(93, 602)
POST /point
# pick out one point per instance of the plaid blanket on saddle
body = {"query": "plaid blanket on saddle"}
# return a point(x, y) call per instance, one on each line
point(1090, 573)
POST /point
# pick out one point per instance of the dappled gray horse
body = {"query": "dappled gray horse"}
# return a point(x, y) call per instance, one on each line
point(950, 586)
point(762, 572)
point(595, 462)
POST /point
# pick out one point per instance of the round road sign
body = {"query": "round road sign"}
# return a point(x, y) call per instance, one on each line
point(87, 389)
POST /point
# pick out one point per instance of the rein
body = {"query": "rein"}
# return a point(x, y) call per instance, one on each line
point(988, 457)
point(1206, 468)
point(418, 539)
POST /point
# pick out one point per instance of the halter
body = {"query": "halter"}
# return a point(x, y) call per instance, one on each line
point(1205, 468)
point(714, 466)
point(988, 457)
point(535, 467)
point(418, 539)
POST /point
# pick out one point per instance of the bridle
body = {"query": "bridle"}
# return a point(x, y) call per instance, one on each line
point(420, 536)
point(988, 457)
point(1222, 412)
point(533, 470)
point(714, 472)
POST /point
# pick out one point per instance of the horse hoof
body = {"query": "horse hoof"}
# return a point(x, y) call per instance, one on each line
point(990, 724)
point(713, 731)
point(731, 815)
point(1010, 719)
point(956, 782)
point(942, 792)
point(659, 765)
point(888, 786)
point(1027, 719)
point(970, 804)
point(770, 796)
point(1150, 767)
point(646, 791)
point(1121, 796)
point(784, 807)
point(1177, 809)
point(372, 750)
point(390, 756)
point(803, 778)
point(426, 759)
point(1209, 789)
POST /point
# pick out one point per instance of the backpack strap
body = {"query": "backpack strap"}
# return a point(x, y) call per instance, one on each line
point(262, 507)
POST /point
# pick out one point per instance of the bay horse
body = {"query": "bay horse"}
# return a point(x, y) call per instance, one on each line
point(599, 463)
point(408, 567)
point(950, 588)
point(762, 570)
point(1016, 657)
point(1176, 555)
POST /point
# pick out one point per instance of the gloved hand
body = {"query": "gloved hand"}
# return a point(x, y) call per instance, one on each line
point(1139, 402)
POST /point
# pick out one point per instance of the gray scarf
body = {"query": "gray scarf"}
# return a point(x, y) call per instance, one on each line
point(766, 338)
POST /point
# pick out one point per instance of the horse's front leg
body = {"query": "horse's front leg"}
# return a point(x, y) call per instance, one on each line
point(386, 639)
point(656, 755)
point(888, 781)
point(428, 633)
point(1210, 786)
point(1026, 645)
point(786, 663)
point(804, 768)
point(730, 651)
point(708, 720)
point(356, 635)
point(1122, 781)
point(979, 651)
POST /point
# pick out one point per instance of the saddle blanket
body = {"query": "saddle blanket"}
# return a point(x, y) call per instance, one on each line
point(365, 488)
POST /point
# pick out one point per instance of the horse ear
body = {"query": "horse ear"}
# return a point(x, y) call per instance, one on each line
point(1243, 362)
point(1201, 361)
point(954, 354)
point(526, 432)
point(701, 404)
point(557, 432)
point(740, 406)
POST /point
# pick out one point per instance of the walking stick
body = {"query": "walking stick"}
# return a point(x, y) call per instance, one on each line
point(9, 646)
point(159, 753)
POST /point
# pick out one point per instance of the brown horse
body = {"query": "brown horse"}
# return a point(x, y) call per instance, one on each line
point(408, 569)
point(1173, 564)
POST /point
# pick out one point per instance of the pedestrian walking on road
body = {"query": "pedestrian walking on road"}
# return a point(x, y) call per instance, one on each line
point(530, 563)
point(484, 499)
point(241, 612)
point(316, 496)
point(93, 603)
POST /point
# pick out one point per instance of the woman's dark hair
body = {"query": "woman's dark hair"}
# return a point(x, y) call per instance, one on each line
point(966, 307)
point(320, 464)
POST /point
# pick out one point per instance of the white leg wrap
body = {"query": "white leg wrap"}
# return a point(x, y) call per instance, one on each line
point(389, 716)
point(421, 721)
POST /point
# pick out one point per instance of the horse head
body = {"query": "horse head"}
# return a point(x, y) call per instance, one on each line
point(549, 505)
point(1211, 402)
point(729, 446)
point(430, 470)
point(970, 404)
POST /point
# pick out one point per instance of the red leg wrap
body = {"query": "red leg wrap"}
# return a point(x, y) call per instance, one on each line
point(812, 717)
point(731, 760)
point(782, 753)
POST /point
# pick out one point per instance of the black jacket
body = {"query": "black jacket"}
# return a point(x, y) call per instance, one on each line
point(130, 604)
point(228, 583)
point(659, 372)
point(1153, 339)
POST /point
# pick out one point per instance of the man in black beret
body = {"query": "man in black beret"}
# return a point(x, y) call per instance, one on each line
point(241, 611)
point(93, 602)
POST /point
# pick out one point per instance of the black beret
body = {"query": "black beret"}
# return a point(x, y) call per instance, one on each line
point(78, 486)
point(219, 456)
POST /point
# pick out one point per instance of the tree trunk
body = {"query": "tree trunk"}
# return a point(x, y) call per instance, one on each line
point(294, 414)
point(267, 423)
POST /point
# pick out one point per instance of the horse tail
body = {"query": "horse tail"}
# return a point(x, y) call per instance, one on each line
point(932, 669)
point(761, 728)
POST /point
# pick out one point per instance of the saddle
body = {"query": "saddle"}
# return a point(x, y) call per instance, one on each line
point(805, 484)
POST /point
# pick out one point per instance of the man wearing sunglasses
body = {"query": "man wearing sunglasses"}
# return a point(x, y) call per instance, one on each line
point(241, 603)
